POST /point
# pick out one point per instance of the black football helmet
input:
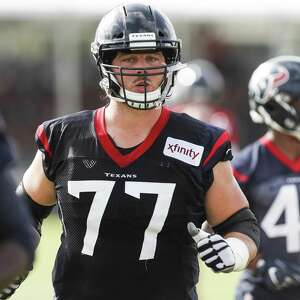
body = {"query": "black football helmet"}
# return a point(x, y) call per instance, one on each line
point(274, 90)
point(130, 28)
point(200, 81)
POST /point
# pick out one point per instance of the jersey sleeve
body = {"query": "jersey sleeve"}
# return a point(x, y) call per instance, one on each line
point(47, 139)
point(6, 156)
point(218, 149)
point(244, 164)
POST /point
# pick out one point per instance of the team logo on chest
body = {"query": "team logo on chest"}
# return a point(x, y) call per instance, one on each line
point(185, 151)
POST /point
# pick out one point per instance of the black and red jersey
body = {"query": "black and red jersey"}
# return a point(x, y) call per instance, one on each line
point(271, 183)
point(125, 212)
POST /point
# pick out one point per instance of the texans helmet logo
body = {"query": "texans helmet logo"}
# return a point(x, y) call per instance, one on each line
point(280, 76)
point(266, 80)
point(277, 77)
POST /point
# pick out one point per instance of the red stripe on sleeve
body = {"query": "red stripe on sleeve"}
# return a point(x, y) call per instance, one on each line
point(239, 176)
point(41, 134)
point(224, 137)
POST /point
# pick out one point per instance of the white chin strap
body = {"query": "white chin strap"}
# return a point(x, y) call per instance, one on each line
point(140, 97)
point(139, 105)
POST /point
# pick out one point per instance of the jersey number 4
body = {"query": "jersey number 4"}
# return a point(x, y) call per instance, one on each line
point(103, 190)
point(287, 202)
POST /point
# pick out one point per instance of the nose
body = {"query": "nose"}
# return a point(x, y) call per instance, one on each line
point(141, 63)
point(141, 71)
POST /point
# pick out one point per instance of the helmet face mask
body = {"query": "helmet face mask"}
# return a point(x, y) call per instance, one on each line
point(136, 28)
point(145, 100)
point(274, 94)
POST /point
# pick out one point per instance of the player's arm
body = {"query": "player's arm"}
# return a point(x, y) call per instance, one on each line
point(225, 199)
point(37, 185)
point(236, 237)
point(37, 192)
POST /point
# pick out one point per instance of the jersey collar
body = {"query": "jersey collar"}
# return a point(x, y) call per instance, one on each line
point(292, 164)
point(123, 160)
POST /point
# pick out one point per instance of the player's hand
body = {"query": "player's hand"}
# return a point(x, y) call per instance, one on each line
point(213, 249)
point(278, 274)
point(8, 291)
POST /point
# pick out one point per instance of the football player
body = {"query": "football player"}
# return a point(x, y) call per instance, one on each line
point(269, 173)
point(133, 181)
point(16, 239)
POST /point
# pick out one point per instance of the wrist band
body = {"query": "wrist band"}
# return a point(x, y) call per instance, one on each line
point(240, 252)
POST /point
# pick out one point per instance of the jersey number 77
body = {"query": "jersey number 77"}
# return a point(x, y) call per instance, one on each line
point(103, 190)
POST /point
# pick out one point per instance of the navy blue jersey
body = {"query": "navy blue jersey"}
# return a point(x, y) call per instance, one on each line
point(6, 156)
point(271, 183)
point(125, 213)
point(15, 223)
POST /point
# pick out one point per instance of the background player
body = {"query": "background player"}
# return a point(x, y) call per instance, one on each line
point(16, 241)
point(268, 172)
point(129, 177)
point(199, 92)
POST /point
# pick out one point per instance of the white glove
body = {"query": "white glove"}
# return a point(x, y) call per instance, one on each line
point(221, 255)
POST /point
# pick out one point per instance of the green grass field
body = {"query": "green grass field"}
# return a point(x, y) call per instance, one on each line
point(38, 284)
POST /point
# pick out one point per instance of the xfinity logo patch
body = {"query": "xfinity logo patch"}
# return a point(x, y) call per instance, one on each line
point(140, 39)
point(184, 151)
